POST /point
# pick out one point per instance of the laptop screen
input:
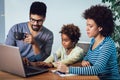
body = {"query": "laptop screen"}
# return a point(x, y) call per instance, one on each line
point(10, 60)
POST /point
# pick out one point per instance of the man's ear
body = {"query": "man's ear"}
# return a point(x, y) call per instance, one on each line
point(44, 19)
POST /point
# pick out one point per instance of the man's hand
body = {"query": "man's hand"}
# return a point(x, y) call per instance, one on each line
point(85, 63)
point(42, 64)
point(25, 61)
point(29, 39)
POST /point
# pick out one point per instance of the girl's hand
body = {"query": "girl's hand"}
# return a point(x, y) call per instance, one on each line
point(62, 67)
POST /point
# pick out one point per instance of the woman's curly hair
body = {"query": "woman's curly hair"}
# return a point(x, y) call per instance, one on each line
point(72, 31)
point(103, 17)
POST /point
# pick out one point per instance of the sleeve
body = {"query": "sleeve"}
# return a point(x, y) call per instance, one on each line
point(47, 49)
point(73, 57)
point(99, 65)
point(48, 46)
point(10, 40)
point(50, 59)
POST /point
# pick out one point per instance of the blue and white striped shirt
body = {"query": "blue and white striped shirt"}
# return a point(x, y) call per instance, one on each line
point(103, 59)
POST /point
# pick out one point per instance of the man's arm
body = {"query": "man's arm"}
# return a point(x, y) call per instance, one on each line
point(30, 40)
point(10, 40)
point(45, 50)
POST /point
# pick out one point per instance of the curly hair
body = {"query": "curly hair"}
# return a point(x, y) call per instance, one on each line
point(72, 31)
point(38, 8)
point(103, 17)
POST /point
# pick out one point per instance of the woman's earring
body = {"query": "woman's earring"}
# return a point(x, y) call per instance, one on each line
point(100, 28)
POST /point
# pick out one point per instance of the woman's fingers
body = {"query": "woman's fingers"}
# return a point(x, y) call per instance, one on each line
point(85, 63)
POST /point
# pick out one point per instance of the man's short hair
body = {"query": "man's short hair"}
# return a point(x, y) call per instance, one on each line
point(38, 8)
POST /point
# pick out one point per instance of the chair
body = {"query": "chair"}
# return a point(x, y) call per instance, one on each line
point(84, 46)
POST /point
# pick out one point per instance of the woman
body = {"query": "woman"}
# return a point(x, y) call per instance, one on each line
point(69, 53)
point(101, 59)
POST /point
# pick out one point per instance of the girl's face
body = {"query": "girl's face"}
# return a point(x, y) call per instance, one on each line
point(66, 41)
point(92, 29)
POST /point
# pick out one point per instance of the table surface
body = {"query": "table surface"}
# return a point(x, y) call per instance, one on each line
point(45, 76)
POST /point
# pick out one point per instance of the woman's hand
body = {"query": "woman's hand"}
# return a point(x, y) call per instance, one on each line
point(62, 67)
point(85, 63)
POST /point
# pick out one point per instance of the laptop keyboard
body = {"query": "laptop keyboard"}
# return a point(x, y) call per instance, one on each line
point(30, 69)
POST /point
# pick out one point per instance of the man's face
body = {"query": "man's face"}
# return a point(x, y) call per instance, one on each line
point(36, 22)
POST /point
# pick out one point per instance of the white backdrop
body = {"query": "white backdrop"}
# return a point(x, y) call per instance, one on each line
point(59, 12)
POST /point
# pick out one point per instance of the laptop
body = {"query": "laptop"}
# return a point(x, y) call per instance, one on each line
point(11, 61)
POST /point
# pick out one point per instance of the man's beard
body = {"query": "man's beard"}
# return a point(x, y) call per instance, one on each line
point(36, 27)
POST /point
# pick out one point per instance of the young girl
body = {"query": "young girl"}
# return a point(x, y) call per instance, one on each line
point(101, 59)
point(69, 53)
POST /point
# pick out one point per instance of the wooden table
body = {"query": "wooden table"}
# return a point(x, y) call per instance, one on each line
point(45, 76)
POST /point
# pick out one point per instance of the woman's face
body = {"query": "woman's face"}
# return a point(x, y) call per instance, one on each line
point(92, 29)
point(66, 41)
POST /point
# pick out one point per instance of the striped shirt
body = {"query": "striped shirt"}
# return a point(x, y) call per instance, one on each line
point(103, 59)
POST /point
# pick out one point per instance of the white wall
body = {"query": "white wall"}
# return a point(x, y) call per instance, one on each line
point(59, 12)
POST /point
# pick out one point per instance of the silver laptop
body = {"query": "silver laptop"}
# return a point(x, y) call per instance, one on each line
point(11, 61)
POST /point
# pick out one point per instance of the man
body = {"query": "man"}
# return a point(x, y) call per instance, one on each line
point(37, 44)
